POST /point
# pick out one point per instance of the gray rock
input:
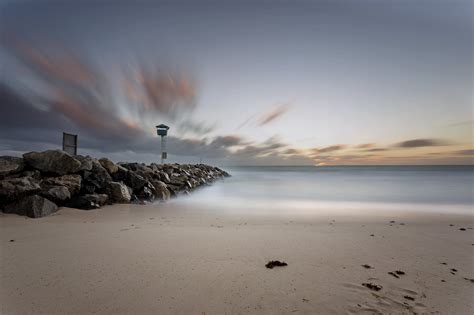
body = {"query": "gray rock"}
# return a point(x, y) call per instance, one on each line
point(97, 179)
point(146, 193)
point(10, 165)
point(52, 161)
point(72, 182)
point(33, 174)
point(160, 190)
point(14, 188)
point(164, 177)
point(108, 165)
point(86, 162)
point(57, 193)
point(135, 181)
point(32, 206)
point(119, 192)
point(121, 174)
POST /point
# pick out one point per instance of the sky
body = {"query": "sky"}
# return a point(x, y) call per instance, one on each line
point(241, 83)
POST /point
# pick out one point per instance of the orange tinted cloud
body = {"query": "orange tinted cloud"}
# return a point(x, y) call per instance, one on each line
point(160, 91)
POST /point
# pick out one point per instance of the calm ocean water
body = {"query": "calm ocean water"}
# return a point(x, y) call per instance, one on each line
point(445, 188)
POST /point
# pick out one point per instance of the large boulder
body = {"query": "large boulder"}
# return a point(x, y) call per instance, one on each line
point(121, 174)
point(146, 193)
point(164, 177)
point(160, 190)
point(30, 173)
point(10, 165)
point(57, 193)
point(14, 188)
point(72, 182)
point(119, 192)
point(108, 165)
point(97, 179)
point(178, 180)
point(33, 206)
point(135, 181)
point(86, 162)
point(52, 161)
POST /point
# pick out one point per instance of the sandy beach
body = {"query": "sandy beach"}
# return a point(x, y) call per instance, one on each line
point(171, 259)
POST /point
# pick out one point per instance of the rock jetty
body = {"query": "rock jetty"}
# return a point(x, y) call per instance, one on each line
point(37, 184)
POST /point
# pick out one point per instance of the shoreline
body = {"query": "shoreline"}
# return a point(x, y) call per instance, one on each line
point(170, 258)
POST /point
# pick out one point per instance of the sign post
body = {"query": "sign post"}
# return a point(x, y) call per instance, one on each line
point(70, 143)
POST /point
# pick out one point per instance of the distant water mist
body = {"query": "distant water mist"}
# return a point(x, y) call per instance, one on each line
point(311, 189)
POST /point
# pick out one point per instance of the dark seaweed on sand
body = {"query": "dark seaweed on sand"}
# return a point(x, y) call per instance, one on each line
point(275, 263)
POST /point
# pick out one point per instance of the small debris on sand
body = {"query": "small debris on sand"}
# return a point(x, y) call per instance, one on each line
point(371, 286)
point(396, 273)
point(454, 270)
point(367, 266)
point(12, 240)
point(462, 229)
point(471, 280)
point(451, 225)
point(275, 263)
point(443, 280)
point(392, 221)
point(443, 263)
point(305, 300)
point(409, 297)
point(372, 235)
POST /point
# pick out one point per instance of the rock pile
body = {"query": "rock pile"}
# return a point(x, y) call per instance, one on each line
point(38, 183)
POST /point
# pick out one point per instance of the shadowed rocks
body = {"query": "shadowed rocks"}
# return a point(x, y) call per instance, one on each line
point(40, 181)
point(33, 206)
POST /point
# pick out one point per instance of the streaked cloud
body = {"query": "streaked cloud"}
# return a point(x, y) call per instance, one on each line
point(273, 114)
point(420, 143)
point(329, 149)
point(364, 145)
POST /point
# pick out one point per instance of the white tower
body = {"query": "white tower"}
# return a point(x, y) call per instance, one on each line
point(162, 131)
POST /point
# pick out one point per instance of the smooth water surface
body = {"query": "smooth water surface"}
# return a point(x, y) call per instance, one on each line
point(447, 187)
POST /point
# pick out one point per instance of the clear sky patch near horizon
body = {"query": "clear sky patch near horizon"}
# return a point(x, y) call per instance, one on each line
point(249, 83)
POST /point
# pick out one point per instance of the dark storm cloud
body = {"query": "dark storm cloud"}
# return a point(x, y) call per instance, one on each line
point(25, 127)
point(420, 143)
point(74, 89)
point(110, 102)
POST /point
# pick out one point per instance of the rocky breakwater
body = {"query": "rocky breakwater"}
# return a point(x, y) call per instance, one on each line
point(38, 183)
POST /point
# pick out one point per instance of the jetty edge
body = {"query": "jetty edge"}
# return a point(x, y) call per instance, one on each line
point(40, 182)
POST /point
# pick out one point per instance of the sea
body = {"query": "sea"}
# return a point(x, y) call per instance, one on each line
point(312, 189)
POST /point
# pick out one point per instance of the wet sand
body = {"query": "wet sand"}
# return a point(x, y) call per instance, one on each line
point(130, 259)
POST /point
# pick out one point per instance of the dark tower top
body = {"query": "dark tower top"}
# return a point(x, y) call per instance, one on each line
point(162, 130)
